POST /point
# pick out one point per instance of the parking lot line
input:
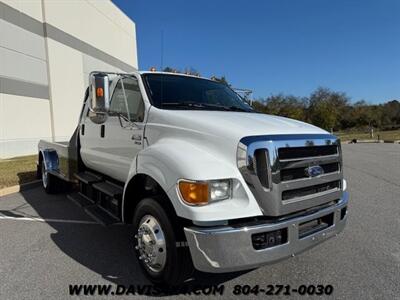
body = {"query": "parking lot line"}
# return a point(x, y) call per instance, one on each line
point(34, 219)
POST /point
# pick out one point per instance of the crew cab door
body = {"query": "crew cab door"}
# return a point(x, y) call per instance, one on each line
point(116, 142)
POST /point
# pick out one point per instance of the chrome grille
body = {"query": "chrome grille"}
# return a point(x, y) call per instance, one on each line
point(310, 190)
point(297, 173)
point(290, 153)
point(277, 170)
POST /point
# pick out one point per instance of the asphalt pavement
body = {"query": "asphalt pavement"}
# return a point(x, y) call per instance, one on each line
point(48, 242)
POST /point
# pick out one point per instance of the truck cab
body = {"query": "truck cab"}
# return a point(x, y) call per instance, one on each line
point(111, 146)
point(207, 182)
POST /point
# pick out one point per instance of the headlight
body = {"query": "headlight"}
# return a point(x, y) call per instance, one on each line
point(220, 190)
point(203, 192)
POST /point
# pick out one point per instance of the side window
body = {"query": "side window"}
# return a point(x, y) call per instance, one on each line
point(135, 111)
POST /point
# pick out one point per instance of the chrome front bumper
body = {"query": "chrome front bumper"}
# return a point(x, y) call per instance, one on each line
point(227, 249)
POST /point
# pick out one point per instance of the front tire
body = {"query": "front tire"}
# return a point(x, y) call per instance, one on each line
point(163, 260)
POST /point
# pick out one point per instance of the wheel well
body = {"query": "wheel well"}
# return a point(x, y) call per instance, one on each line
point(39, 165)
point(142, 186)
point(40, 157)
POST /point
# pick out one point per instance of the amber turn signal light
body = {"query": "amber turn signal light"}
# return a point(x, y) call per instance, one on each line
point(99, 92)
point(194, 193)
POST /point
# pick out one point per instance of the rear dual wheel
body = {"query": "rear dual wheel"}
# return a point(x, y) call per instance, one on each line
point(49, 181)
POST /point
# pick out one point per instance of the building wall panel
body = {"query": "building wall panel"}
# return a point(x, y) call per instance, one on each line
point(2, 125)
point(27, 121)
point(91, 64)
point(83, 21)
point(32, 8)
point(23, 67)
point(67, 88)
point(22, 41)
point(46, 55)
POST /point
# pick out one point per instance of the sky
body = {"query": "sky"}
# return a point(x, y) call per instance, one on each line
point(276, 46)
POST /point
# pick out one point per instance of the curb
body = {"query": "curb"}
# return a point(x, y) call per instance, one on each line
point(392, 142)
point(363, 142)
point(373, 142)
point(20, 187)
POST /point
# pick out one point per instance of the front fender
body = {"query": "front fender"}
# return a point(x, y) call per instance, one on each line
point(170, 160)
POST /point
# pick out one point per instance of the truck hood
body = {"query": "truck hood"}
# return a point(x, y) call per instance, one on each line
point(211, 138)
point(229, 125)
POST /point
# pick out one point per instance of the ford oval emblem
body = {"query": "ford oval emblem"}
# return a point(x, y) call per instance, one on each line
point(314, 171)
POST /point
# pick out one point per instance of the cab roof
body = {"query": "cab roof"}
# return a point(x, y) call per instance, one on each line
point(170, 73)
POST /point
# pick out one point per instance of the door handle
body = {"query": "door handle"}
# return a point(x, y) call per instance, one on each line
point(102, 131)
point(137, 137)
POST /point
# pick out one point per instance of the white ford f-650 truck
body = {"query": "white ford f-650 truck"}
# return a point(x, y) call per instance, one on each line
point(204, 180)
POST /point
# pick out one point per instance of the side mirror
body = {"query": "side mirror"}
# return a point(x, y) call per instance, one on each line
point(99, 97)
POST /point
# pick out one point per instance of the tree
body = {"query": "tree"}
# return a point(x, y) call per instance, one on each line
point(327, 108)
point(221, 79)
point(282, 105)
point(391, 113)
point(188, 71)
point(171, 70)
point(259, 105)
point(191, 71)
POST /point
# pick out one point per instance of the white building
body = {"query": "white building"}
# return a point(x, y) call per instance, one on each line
point(47, 50)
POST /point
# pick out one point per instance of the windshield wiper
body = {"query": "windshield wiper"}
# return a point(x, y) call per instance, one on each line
point(184, 104)
point(227, 108)
point(237, 108)
point(205, 105)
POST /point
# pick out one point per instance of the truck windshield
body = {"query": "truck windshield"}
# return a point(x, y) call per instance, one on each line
point(185, 92)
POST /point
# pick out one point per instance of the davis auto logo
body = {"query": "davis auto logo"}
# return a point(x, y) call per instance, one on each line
point(314, 171)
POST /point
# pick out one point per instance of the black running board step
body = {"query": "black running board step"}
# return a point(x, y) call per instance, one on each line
point(87, 177)
point(100, 215)
point(80, 199)
point(109, 188)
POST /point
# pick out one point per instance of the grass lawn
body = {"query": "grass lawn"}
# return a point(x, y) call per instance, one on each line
point(383, 135)
point(17, 170)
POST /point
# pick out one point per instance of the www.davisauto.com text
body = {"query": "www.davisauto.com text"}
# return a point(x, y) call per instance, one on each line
point(197, 290)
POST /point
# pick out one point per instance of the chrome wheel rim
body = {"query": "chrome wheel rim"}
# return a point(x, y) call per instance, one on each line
point(151, 244)
point(44, 175)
